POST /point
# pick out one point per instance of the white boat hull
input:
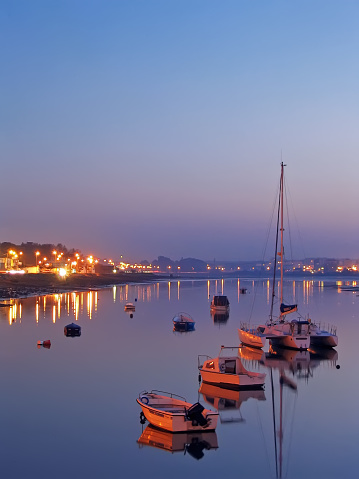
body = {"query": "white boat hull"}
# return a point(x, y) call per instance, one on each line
point(290, 341)
point(233, 381)
point(324, 340)
point(220, 309)
point(177, 422)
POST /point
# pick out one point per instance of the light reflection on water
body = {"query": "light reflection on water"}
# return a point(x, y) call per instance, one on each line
point(73, 303)
point(80, 395)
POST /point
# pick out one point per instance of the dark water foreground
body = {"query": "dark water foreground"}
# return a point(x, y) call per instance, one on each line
point(70, 411)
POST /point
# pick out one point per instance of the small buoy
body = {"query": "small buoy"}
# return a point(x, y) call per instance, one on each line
point(337, 366)
point(131, 315)
point(46, 344)
point(135, 300)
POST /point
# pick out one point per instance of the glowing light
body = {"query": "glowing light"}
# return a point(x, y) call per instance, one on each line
point(62, 272)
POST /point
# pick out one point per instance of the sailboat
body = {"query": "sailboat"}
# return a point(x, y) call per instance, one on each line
point(280, 331)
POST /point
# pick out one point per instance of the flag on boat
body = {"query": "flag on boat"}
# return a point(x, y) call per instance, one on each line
point(287, 308)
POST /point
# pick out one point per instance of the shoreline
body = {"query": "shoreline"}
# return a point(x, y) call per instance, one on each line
point(41, 284)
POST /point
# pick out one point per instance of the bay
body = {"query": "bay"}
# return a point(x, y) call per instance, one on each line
point(70, 411)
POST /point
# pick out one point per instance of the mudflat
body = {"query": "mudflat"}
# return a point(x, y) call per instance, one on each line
point(16, 286)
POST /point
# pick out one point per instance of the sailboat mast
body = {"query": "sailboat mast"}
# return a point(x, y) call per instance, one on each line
point(281, 232)
point(276, 247)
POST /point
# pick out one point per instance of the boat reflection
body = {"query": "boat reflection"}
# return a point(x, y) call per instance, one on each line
point(228, 401)
point(193, 443)
point(300, 364)
point(219, 317)
point(286, 369)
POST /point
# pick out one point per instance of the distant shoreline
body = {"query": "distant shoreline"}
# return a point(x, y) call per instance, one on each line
point(23, 286)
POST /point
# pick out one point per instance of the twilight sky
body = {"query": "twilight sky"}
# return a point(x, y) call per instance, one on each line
point(156, 127)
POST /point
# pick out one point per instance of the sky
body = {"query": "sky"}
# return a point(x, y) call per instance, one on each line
point(157, 127)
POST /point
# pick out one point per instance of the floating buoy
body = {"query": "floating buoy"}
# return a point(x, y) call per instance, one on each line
point(72, 330)
point(46, 344)
point(131, 315)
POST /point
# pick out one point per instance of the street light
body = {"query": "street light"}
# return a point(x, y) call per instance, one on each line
point(36, 255)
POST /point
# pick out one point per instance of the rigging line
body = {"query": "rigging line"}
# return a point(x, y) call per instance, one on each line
point(291, 434)
point(296, 224)
point(274, 424)
point(289, 229)
point(269, 227)
point(288, 222)
point(263, 436)
point(275, 255)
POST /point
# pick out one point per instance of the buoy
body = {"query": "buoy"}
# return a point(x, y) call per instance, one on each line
point(131, 315)
point(45, 344)
point(135, 300)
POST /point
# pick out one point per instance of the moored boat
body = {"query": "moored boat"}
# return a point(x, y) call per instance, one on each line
point(183, 322)
point(173, 413)
point(280, 331)
point(323, 336)
point(227, 371)
point(253, 336)
point(130, 307)
point(220, 303)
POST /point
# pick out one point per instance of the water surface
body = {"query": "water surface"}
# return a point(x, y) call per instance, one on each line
point(70, 411)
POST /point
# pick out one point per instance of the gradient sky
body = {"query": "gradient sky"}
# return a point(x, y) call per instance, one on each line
point(156, 127)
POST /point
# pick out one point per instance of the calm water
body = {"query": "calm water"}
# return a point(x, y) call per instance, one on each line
point(70, 411)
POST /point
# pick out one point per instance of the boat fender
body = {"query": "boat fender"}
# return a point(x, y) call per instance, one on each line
point(144, 399)
point(222, 367)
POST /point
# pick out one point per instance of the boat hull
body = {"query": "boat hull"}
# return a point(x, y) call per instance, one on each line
point(220, 309)
point(251, 339)
point(233, 381)
point(290, 341)
point(324, 341)
point(177, 422)
point(183, 326)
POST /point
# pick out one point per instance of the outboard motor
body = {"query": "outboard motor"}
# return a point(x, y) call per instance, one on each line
point(195, 449)
point(194, 414)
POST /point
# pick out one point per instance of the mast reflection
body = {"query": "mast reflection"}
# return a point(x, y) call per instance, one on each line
point(287, 369)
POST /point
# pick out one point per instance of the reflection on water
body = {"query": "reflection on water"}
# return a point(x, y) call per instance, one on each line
point(292, 366)
point(228, 401)
point(73, 303)
point(220, 318)
point(193, 443)
point(260, 434)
